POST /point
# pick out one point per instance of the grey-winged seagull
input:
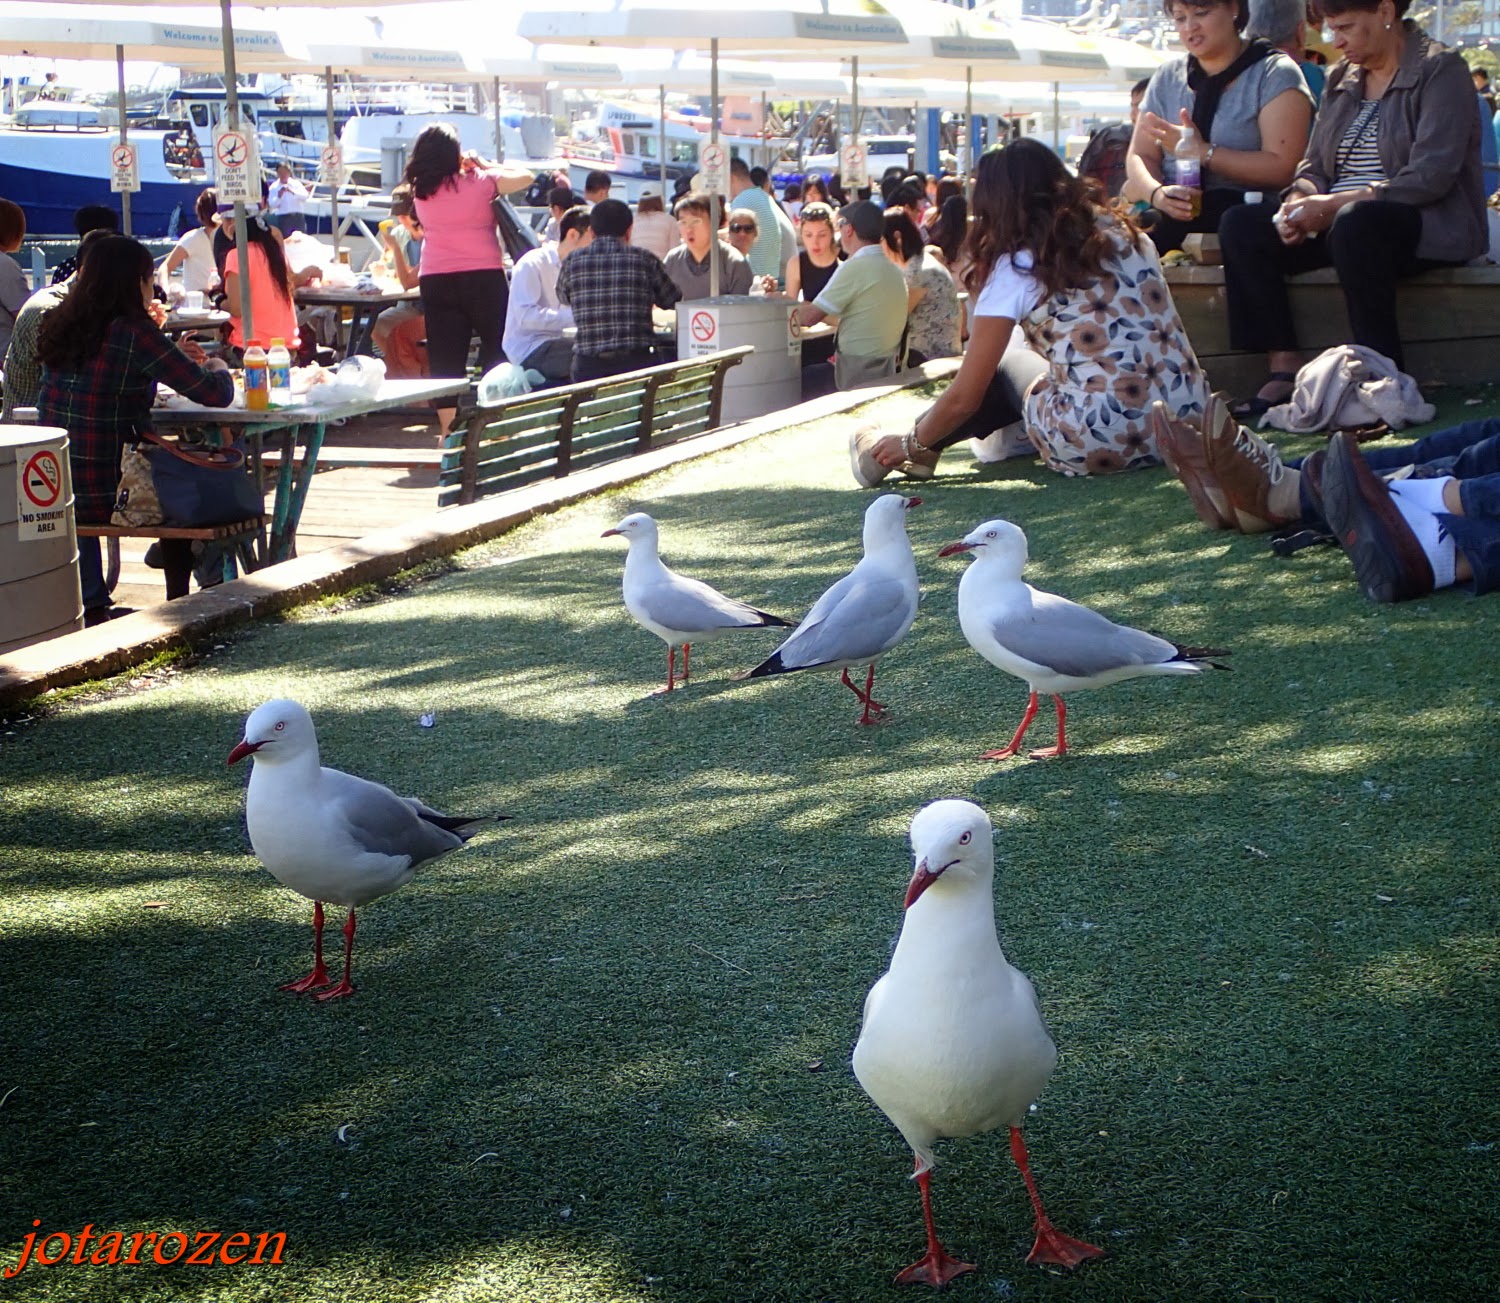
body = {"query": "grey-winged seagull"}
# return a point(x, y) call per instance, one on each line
point(678, 610)
point(953, 1041)
point(865, 614)
point(329, 835)
point(1055, 645)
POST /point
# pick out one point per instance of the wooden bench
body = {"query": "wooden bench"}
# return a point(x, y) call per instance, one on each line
point(1450, 323)
point(243, 536)
point(547, 434)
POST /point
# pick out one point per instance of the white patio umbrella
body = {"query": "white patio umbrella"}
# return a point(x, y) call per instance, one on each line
point(116, 34)
point(792, 29)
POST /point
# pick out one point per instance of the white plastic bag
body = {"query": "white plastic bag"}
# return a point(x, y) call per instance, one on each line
point(507, 380)
point(354, 378)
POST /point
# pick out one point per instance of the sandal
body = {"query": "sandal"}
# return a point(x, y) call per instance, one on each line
point(1258, 406)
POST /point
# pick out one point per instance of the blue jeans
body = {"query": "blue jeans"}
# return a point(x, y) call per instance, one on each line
point(91, 575)
point(1471, 454)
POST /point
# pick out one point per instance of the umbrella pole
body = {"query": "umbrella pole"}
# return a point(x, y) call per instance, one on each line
point(499, 138)
point(713, 136)
point(124, 134)
point(336, 177)
point(1056, 123)
point(232, 113)
point(854, 111)
point(969, 130)
point(661, 109)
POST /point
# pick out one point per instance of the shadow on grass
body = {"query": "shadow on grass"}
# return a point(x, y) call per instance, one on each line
point(602, 1054)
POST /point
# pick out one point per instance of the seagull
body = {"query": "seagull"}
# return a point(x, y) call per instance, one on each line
point(678, 610)
point(953, 1042)
point(329, 835)
point(865, 614)
point(1056, 645)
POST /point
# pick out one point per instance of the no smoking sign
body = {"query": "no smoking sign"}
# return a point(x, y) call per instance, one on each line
point(41, 506)
point(702, 332)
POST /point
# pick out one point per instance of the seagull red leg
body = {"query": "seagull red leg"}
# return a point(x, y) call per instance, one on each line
point(1014, 745)
point(671, 670)
point(686, 648)
point(345, 987)
point(1052, 1247)
point(1061, 749)
point(868, 697)
point(319, 974)
point(936, 1267)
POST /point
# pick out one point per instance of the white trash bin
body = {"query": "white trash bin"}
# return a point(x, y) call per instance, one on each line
point(39, 594)
point(767, 380)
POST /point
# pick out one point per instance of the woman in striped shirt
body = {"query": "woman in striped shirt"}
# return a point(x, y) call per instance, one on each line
point(1390, 186)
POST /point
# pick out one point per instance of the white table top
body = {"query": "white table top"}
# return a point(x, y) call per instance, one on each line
point(392, 393)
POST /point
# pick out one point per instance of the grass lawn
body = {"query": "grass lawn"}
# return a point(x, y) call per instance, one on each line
point(602, 1055)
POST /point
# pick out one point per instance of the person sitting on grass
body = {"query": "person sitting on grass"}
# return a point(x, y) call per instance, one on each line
point(1412, 517)
point(688, 264)
point(1104, 338)
point(102, 353)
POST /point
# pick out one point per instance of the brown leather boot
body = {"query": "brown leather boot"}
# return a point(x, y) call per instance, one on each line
point(1245, 467)
point(1180, 444)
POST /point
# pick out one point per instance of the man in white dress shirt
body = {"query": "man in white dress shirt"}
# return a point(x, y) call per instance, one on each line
point(286, 197)
point(535, 320)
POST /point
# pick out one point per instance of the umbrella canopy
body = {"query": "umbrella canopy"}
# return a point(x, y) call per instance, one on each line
point(101, 31)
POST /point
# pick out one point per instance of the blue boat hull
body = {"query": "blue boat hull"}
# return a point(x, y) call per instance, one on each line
point(49, 199)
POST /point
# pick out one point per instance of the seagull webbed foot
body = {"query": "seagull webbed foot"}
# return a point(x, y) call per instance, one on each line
point(936, 1268)
point(345, 987)
point(1054, 1249)
point(318, 977)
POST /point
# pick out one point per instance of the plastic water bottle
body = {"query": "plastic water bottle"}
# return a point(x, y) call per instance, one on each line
point(257, 378)
point(279, 359)
point(1189, 173)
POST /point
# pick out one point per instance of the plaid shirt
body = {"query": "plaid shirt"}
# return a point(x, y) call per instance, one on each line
point(611, 286)
point(108, 404)
point(23, 373)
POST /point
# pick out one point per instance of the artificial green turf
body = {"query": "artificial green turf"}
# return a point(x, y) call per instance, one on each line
point(603, 1054)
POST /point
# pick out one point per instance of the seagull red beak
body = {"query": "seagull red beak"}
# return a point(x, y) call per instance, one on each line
point(953, 549)
point(244, 749)
point(920, 881)
point(913, 502)
point(608, 532)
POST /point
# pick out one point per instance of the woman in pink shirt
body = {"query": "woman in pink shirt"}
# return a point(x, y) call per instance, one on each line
point(463, 286)
point(273, 313)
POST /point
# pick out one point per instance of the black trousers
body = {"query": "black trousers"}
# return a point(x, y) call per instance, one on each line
point(597, 366)
point(1002, 403)
point(459, 305)
point(1168, 233)
point(1372, 244)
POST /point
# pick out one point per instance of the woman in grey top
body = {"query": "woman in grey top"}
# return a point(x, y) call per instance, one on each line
point(1248, 105)
point(1391, 185)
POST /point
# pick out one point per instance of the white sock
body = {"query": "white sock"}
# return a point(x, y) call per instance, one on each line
point(1427, 494)
point(1441, 554)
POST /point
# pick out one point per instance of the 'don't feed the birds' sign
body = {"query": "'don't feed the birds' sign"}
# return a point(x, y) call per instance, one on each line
point(236, 165)
point(124, 169)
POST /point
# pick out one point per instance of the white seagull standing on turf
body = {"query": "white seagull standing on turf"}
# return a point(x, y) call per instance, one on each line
point(1055, 645)
point(329, 835)
point(865, 614)
point(953, 1042)
point(678, 610)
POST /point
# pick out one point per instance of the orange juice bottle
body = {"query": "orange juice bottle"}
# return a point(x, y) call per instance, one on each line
point(257, 378)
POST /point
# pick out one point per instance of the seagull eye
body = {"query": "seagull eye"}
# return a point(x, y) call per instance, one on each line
point(992, 534)
point(280, 724)
point(966, 839)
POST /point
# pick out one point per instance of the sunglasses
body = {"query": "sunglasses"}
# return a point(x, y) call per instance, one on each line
point(741, 228)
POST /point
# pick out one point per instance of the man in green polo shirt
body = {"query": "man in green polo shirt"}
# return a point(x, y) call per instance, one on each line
point(868, 295)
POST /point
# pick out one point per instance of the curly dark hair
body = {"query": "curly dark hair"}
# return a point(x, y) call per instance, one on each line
point(108, 289)
point(1026, 199)
point(434, 161)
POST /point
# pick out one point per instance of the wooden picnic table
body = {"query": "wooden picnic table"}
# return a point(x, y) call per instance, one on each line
point(303, 425)
point(365, 309)
point(183, 323)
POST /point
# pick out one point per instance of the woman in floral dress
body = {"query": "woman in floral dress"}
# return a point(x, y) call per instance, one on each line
point(1105, 341)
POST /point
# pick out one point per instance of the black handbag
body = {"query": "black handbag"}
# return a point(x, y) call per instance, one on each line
point(193, 486)
point(516, 236)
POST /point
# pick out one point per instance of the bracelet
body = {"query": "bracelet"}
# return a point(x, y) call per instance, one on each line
point(1151, 202)
point(1208, 158)
point(909, 445)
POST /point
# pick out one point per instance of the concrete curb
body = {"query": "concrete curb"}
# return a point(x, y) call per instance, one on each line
point(111, 648)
